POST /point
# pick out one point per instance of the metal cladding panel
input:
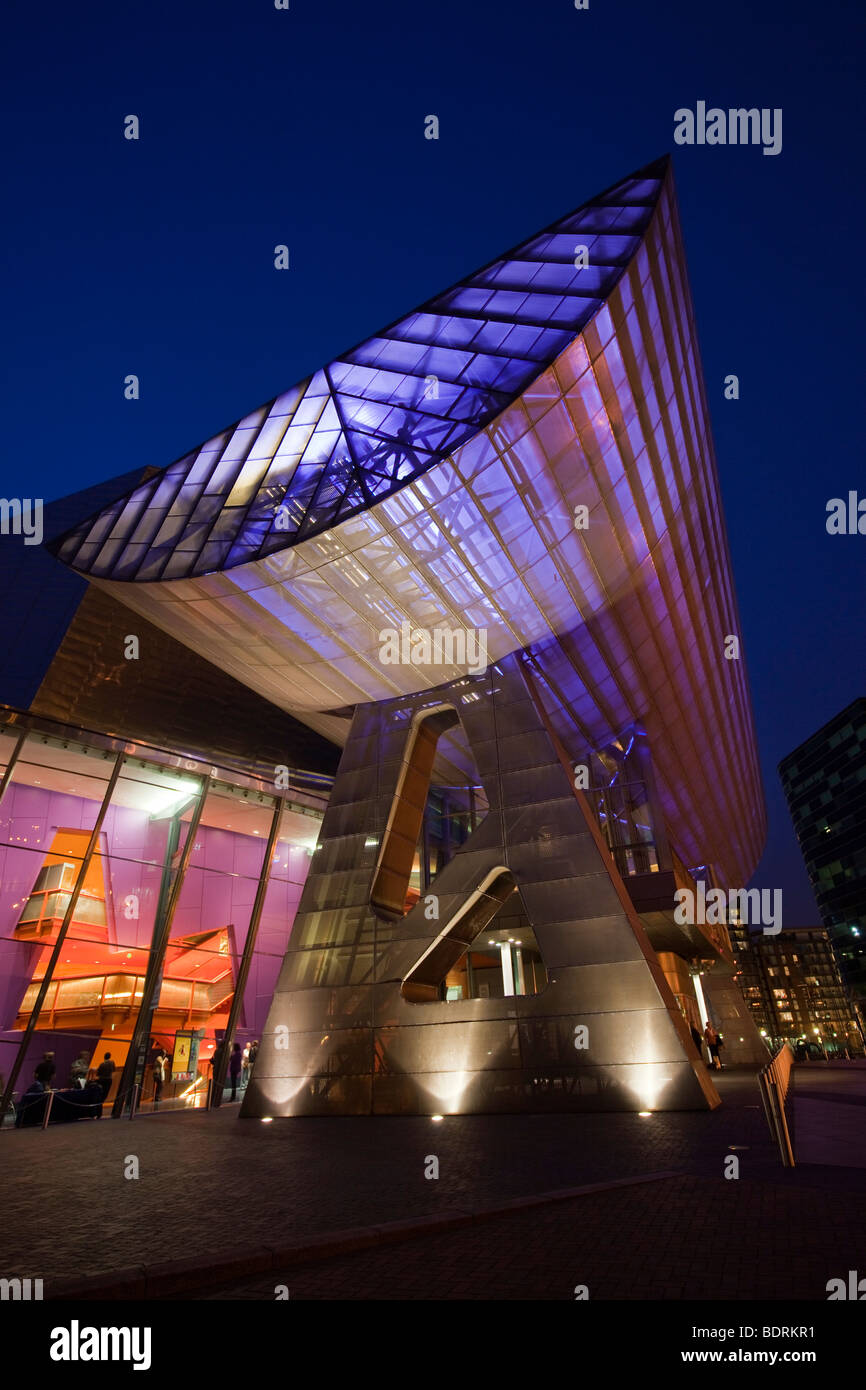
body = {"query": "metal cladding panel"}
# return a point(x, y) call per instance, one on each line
point(624, 618)
point(173, 699)
point(348, 1026)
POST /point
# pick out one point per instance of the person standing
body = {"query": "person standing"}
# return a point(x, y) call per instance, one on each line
point(159, 1063)
point(215, 1063)
point(711, 1038)
point(246, 1066)
point(46, 1070)
point(105, 1074)
point(235, 1064)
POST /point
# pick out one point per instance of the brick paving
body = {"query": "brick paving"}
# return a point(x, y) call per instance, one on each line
point(683, 1238)
point(828, 1114)
point(210, 1185)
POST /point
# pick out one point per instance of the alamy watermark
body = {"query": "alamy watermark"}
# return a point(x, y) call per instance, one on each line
point(714, 907)
point(439, 646)
point(853, 1289)
point(22, 516)
point(77, 1343)
point(846, 517)
point(736, 126)
point(21, 1290)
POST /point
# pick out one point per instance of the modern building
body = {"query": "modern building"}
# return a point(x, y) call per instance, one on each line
point(824, 781)
point(482, 553)
point(160, 936)
point(795, 992)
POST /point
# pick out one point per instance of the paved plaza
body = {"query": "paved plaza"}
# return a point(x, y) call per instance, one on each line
point(212, 1188)
point(681, 1238)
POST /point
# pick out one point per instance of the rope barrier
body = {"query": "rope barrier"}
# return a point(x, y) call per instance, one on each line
point(49, 1097)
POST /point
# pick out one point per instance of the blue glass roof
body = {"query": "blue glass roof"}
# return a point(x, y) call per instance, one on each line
point(378, 415)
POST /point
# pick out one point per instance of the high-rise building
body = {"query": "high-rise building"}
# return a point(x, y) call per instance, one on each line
point(475, 567)
point(793, 987)
point(824, 780)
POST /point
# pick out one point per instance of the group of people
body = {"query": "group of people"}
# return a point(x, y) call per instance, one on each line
point(241, 1062)
point(84, 1094)
point(46, 1070)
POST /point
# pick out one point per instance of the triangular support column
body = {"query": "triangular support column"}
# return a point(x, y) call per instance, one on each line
point(355, 1026)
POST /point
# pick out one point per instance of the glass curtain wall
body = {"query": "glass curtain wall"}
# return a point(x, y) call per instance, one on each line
point(134, 897)
point(621, 795)
point(52, 911)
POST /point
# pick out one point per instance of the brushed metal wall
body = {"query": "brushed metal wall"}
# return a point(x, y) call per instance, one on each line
point(342, 1038)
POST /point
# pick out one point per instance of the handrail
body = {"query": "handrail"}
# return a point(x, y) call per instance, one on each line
point(774, 1082)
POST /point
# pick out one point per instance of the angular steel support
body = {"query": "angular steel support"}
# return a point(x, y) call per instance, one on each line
point(353, 1026)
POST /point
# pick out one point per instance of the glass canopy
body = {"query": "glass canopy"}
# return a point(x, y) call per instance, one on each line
point(378, 416)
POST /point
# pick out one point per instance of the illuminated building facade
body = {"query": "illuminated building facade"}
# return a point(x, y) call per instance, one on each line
point(483, 552)
point(824, 781)
point(795, 993)
point(146, 901)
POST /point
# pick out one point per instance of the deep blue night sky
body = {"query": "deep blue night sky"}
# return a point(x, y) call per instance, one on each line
point(306, 127)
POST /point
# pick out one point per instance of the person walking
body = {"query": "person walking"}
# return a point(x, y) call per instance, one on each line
point(711, 1038)
point(235, 1064)
point(159, 1065)
point(45, 1071)
point(105, 1074)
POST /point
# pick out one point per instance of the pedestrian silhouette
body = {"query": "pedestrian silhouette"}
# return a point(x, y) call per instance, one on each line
point(105, 1074)
point(711, 1038)
point(159, 1064)
point(46, 1070)
point(78, 1071)
point(235, 1064)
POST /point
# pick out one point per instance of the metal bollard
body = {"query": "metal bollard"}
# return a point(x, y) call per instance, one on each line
point(46, 1117)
